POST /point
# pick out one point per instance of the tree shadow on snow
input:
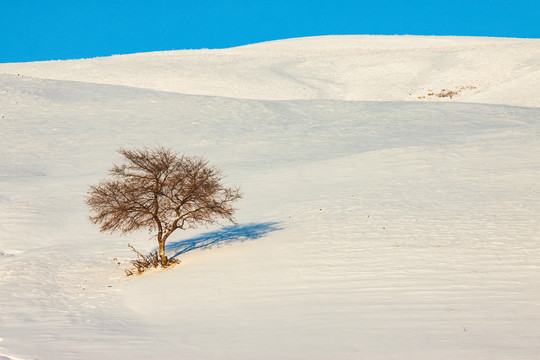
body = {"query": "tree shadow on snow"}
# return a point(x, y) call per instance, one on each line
point(225, 235)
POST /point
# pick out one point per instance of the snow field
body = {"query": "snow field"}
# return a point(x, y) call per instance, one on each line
point(382, 229)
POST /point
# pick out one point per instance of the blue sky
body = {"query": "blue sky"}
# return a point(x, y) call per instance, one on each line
point(32, 30)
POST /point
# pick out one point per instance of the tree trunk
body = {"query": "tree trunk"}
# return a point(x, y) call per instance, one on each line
point(162, 254)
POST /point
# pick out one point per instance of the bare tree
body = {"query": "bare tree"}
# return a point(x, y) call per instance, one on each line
point(159, 190)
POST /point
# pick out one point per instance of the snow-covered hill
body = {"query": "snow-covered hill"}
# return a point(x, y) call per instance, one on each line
point(365, 68)
point(396, 228)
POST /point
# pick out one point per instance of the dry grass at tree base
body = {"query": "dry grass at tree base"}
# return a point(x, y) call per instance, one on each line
point(146, 262)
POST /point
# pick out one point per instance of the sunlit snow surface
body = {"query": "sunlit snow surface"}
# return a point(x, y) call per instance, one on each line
point(368, 230)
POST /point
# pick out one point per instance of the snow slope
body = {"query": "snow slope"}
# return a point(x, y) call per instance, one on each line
point(369, 229)
point(370, 68)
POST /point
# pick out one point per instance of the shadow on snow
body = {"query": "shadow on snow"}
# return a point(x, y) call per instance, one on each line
point(225, 235)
